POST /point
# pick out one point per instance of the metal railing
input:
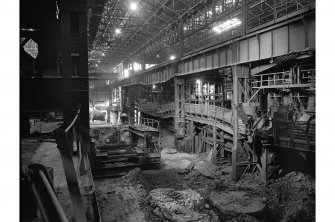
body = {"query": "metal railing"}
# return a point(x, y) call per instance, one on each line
point(64, 144)
point(263, 11)
point(295, 135)
point(143, 123)
point(148, 106)
point(197, 27)
point(36, 176)
point(269, 80)
point(206, 111)
point(272, 79)
point(166, 108)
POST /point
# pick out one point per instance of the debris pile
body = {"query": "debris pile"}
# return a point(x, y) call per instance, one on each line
point(237, 202)
point(152, 179)
point(293, 196)
point(176, 205)
point(119, 199)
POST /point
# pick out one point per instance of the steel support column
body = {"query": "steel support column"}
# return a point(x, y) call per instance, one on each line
point(234, 174)
point(214, 154)
point(179, 105)
point(240, 95)
point(244, 19)
point(181, 38)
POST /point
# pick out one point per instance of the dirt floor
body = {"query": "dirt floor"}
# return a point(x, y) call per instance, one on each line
point(185, 188)
point(43, 150)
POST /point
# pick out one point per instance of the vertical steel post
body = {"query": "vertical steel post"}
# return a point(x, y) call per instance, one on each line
point(70, 174)
point(192, 135)
point(119, 93)
point(244, 17)
point(264, 164)
point(234, 172)
point(214, 145)
point(181, 39)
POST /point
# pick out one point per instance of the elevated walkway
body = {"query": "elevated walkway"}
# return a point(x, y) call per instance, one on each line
point(141, 126)
point(213, 115)
point(162, 111)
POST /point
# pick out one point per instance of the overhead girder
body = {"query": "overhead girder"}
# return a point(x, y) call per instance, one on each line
point(169, 12)
point(157, 21)
point(145, 32)
point(179, 17)
point(163, 13)
point(148, 32)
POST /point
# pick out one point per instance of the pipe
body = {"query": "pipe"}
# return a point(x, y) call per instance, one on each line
point(73, 121)
point(53, 197)
point(47, 202)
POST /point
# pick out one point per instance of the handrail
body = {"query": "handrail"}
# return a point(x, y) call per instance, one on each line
point(35, 177)
point(63, 144)
point(44, 193)
point(53, 197)
point(291, 130)
point(144, 122)
point(221, 113)
point(73, 121)
point(272, 12)
point(279, 79)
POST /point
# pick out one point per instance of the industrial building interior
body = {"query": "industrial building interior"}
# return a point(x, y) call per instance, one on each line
point(167, 110)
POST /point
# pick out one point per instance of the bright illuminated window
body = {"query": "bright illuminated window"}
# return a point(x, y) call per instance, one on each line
point(209, 13)
point(137, 66)
point(31, 48)
point(126, 73)
point(172, 57)
point(230, 1)
point(225, 26)
point(147, 66)
point(218, 8)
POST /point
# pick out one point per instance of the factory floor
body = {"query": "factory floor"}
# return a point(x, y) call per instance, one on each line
point(43, 150)
point(186, 188)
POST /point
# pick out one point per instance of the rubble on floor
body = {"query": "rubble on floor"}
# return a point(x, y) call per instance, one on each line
point(293, 196)
point(186, 185)
point(177, 205)
point(237, 202)
point(167, 195)
point(119, 198)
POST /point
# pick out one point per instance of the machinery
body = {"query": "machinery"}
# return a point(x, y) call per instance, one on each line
point(280, 116)
point(116, 149)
